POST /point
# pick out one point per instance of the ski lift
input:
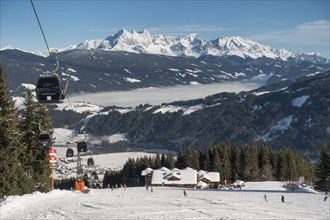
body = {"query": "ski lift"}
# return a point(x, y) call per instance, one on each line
point(69, 152)
point(94, 175)
point(45, 139)
point(90, 161)
point(49, 89)
point(82, 146)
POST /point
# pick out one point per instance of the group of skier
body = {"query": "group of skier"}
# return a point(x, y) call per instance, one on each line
point(151, 190)
point(265, 195)
point(282, 198)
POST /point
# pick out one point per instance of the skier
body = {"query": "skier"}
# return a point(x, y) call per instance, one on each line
point(151, 190)
point(325, 198)
point(184, 193)
point(265, 197)
point(282, 198)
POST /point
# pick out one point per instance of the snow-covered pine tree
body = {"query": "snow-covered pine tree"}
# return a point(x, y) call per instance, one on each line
point(29, 138)
point(14, 180)
point(36, 158)
point(44, 171)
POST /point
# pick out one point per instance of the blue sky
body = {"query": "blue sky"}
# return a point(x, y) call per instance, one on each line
point(302, 26)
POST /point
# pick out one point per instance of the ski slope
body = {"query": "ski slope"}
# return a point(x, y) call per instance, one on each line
point(169, 203)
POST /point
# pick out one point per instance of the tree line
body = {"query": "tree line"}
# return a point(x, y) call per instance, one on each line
point(24, 165)
point(248, 163)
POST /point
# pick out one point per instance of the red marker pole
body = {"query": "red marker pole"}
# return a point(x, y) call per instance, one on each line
point(52, 160)
point(52, 176)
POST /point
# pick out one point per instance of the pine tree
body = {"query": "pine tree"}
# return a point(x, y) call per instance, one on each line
point(234, 163)
point(13, 179)
point(265, 168)
point(170, 161)
point(158, 162)
point(273, 162)
point(162, 160)
point(182, 161)
point(291, 167)
point(207, 159)
point(216, 163)
point(306, 168)
point(151, 162)
point(322, 172)
point(43, 171)
point(249, 163)
point(28, 127)
point(225, 170)
point(280, 166)
point(35, 158)
point(192, 158)
point(44, 119)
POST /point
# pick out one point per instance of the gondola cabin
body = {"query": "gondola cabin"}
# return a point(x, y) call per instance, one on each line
point(82, 146)
point(45, 140)
point(49, 89)
point(90, 161)
point(69, 152)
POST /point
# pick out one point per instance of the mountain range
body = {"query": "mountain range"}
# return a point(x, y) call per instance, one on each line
point(131, 60)
point(192, 46)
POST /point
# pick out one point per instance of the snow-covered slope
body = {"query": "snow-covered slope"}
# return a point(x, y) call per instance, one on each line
point(169, 203)
point(191, 45)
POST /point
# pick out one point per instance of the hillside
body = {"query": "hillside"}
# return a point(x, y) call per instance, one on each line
point(283, 114)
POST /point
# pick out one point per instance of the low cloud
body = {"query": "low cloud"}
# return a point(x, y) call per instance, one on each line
point(157, 96)
point(309, 33)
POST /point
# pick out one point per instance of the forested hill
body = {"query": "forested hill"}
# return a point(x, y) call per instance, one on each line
point(296, 116)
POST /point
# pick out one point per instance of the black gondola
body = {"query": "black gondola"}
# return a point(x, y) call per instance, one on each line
point(94, 175)
point(69, 152)
point(49, 89)
point(45, 139)
point(82, 146)
point(90, 161)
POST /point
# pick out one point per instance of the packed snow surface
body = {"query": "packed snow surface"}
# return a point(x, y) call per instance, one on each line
point(170, 203)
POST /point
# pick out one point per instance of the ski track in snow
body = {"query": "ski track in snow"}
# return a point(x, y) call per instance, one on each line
point(169, 203)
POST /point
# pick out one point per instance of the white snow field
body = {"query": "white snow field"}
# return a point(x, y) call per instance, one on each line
point(169, 203)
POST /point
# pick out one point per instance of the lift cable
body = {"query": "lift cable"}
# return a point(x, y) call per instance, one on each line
point(35, 12)
point(53, 54)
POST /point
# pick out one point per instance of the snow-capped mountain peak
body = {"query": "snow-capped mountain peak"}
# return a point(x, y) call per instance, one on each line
point(8, 47)
point(243, 48)
point(191, 45)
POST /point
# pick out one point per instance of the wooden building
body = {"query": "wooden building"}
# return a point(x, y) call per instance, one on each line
point(187, 177)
